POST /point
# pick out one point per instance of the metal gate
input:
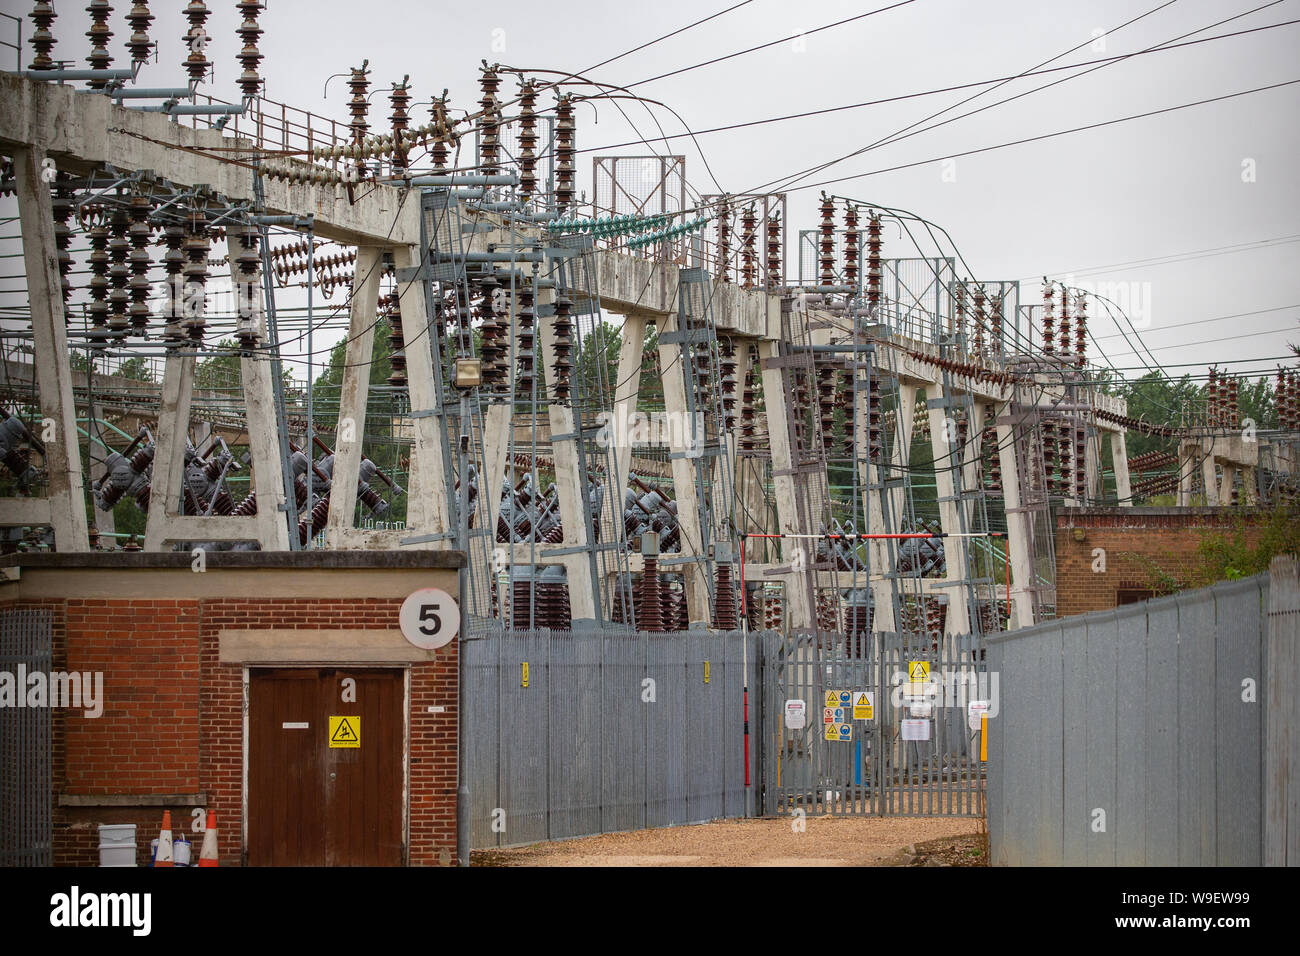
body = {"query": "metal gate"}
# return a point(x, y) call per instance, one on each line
point(915, 752)
point(25, 648)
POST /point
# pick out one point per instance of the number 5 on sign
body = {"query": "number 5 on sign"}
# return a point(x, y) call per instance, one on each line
point(430, 618)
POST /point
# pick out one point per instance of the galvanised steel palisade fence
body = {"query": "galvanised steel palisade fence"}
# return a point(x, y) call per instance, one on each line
point(1134, 737)
point(26, 646)
point(573, 733)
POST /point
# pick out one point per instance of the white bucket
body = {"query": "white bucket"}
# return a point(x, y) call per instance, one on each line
point(117, 844)
point(181, 851)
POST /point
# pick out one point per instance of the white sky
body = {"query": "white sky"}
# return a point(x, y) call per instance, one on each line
point(1152, 188)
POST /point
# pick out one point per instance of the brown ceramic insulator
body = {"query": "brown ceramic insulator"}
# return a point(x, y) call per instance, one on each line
point(748, 257)
point(319, 515)
point(139, 44)
point(726, 613)
point(1049, 454)
point(396, 343)
point(527, 140)
point(773, 611)
point(119, 274)
point(1049, 328)
point(247, 507)
point(649, 598)
point(851, 240)
point(977, 317)
point(873, 266)
point(525, 320)
point(848, 438)
point(773, 252)
point(63, 206)
point(989, 443)
point(43, 38)
point(400, 99)
point(1080, 461)
point(959, 308)
point(724, 241)
point(489, 141)
point(562, 322)
point(248, 260)
point(1065, 325)
point(827, 612)
point(875, 416)
point(679, 618)
point(995, 323)
point(826, 243)
point(565, 146)
point(1212, 398)
point(250, 81)
point(727, 373)
point(1063, 453)
point(442, 132)
point(359, 104)
point(195, 39)
point(1080, 331)
point(195, 270)
point(826, 381)
point(99, 34)
point(141, 233)
point(173, 238)
point(1234, 415)
point(494, 345)
point(748, 414)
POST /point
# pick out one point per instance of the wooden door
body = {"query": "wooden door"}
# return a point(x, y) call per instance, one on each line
point(311, 803)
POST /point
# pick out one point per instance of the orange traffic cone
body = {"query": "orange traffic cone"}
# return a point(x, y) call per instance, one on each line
point(164, 857)
point(208, 855)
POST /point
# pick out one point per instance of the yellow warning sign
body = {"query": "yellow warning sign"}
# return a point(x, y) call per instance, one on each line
point(345, 731)
point(832, 698)
point(863, 705)
point(918, 672)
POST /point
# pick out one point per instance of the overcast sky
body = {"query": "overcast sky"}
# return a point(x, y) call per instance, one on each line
point(1210, 192)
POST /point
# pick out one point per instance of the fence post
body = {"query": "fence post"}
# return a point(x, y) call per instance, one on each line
point(1282, 714)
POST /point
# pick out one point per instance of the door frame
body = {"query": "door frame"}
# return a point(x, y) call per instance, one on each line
point(406, 742)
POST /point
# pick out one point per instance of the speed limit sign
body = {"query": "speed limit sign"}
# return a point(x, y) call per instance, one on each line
point(430, 618)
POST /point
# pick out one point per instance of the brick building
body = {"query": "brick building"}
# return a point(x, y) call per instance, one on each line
point(220, 689)
point(1143, 548)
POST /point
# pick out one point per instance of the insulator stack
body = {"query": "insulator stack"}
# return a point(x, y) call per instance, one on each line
point(995, 323)
point(851, 246)
point(248, 262)
point(319, 515)
point(748, 396)
point(527, 140)
point(1080, 461)
point(1233, 415)
point(828, 612)
point(1049, 456)
point(727, 373)
point(826, 244)
point(441, 134)
point(773, 253)
point(524, 321)
point(196, 39)
point(63, 206)
point(726, 610)
point(676, 615)
point(1049, 333)
point(1080, 331)
point(827, 379)
point(174, 263)
point(989, 444)
point(873, 267)
point(1212, 398)
point(1065, 325)
point(875, 433)
point(800, 410)
point(99, 34)
point(563, 367)
point(489, 141)
point(196, 272)
point(250, 81)
point(848, 401)
point(141, 233)
point(773, 611)
point(359, 105)
point(978, 319)
point(1063, 451)
point(494, 346)
point(959, 308)
point(564, 154)
point(754, 609)
point(396, 343)
point(724, 241)
point(138, 44)
point(748, 257)
point(400, 99)
point(649, 606)
point(43, 38)
point(119, 274)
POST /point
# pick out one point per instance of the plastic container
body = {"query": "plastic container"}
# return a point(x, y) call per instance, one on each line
point(117, 844)
point(181, 850)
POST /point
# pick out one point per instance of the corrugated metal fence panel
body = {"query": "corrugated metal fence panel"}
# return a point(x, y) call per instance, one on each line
point(26, 642)
point(624, 733)
point(576, 739)
point(1122, 737)
point(525, 732)
point(1281, 694)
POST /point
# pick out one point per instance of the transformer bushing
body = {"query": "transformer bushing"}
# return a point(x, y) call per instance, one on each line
point(489, 143)
point(141, 234)
point(773, 253)
point(527, 140)
point(250, 81)
point(564, 154)
point(400, 98)
point(826, 244)
point(43, 38)
point(649, 606)
point(562, 322)
point(851, 245)
point(748, 259)
point(726, 616)
point(359, 104)
point(196, 40)
point(99, 35)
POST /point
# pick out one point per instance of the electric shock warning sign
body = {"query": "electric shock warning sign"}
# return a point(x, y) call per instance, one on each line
point(345, 731)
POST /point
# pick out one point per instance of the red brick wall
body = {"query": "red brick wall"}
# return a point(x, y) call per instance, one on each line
point(173, 717)
point(1141, 544)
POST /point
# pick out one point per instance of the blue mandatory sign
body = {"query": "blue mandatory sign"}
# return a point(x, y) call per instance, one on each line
point(846, 698)
point(846, 731)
